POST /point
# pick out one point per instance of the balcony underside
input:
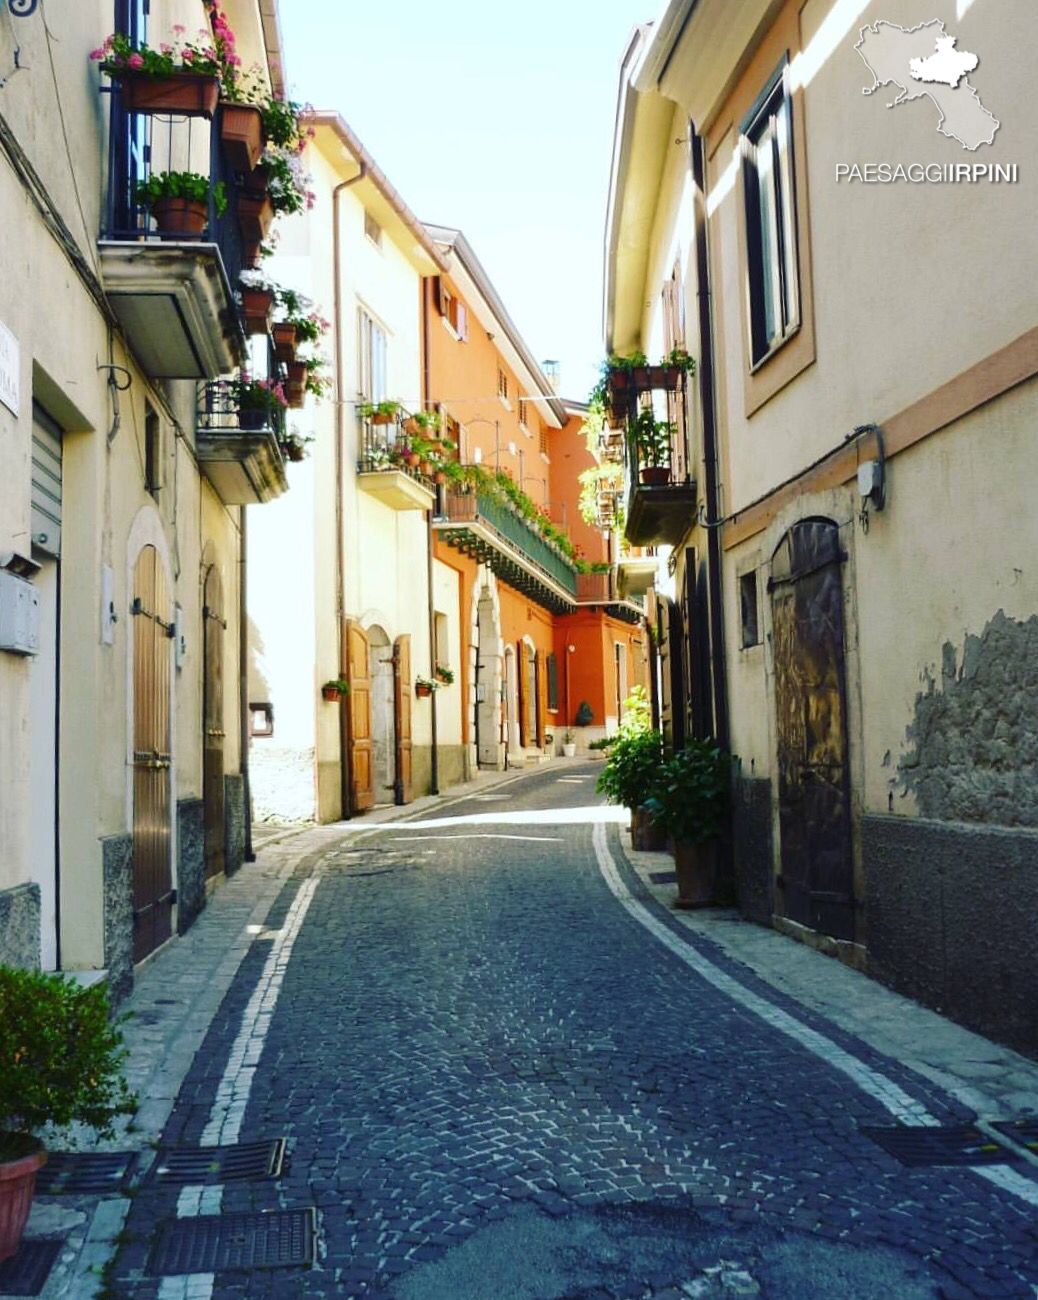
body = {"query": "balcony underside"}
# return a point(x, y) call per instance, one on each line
point(509, 564)
point(245, 468)
point(175, 304)
point(636, 575)
point(659, 514)
point(625, 610)
point(396, 489)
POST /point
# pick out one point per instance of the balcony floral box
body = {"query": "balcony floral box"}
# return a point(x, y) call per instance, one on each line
point(182, 79)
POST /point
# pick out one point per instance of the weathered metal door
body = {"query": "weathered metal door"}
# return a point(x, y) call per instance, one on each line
point(817, 878)
point(214, 626)
point(152, 838)
point(362, 749)
point(404, 784)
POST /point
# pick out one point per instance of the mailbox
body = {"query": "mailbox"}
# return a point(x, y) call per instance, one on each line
point(19, 615)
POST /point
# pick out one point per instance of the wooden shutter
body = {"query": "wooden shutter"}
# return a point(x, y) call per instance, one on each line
point(463, 323)
point(404, 786)
point(362, 750)
point(520, 663)
point(541, 678)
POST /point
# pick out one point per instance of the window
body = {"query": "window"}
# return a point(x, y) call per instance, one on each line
point(372, 229)
point(261, 719)
point(748, 609)
point(771, 245)
point(152, 451)
point(453, 313)
point(371, 360)
point(524, 412)
point(502, 386)
point(553, 683)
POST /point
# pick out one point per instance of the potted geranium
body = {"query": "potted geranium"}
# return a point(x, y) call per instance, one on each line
point(689, 802)
point(423, 687)
point(179, 201)
point(260, 402)
point(630, 771)
point(60, 1058)
point(182, 77)
point(258, 296)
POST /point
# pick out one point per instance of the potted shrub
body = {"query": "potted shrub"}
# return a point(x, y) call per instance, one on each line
point(569, 745)
point(293, 446)
point(179, 201)
point(335, 689)
point(631, 767)
point(378, 412)
point(689, 802)
point(652, 439)
point(61, 1058)
point(260, 402)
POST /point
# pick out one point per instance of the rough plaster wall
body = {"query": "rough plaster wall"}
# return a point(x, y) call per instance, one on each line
point(975, 736)
point(20, 926)
point(752, 849)
point(191, 861)
point(234, 822)
point(282, 783)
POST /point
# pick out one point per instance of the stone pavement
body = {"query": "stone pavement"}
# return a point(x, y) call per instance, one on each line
point(495, 1081)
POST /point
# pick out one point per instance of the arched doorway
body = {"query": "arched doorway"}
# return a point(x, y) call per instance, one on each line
point(512, 738)
point(817, 879)
point(214, 625)
point(528, 693)
point(383, 705)
point(152, 757)
point(488, 677)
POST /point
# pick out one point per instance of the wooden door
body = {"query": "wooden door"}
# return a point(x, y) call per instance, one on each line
point(541, 674)
point(358, 704)
point(817, 880)
point(403, 785)
point(214, 625)
point(152, 759)
point(524, 689)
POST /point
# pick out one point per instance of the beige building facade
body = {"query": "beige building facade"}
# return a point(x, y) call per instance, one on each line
point(122, 516)
point(852, 585)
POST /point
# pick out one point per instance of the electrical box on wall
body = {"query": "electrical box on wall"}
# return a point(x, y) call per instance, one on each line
point(19, 615)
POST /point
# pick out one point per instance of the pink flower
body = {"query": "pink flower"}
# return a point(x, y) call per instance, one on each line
point(189, 55)
point(179, 29)
point(166, 49)
point(98, 53)
point(135, 61)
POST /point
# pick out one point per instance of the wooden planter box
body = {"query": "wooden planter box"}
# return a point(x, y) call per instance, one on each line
point(241, 135)
point(284, 342)
point(182, 94)
point(180, 217)
point(250, 255)
point(255, 216)
point(594, 586)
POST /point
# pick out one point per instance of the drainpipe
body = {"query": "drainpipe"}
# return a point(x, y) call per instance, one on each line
point(719, 674)
point(434, 774)
point(243, 684)
point(345, 765)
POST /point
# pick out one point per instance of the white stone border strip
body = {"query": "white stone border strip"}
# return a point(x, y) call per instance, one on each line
point(905, 1109)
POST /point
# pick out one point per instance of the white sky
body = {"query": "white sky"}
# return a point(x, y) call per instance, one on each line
point(494, 119)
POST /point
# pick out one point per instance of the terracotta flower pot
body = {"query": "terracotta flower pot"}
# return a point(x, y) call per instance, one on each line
point(655, 475)
point(180, 216)
point(256, 306)
point(255, 215)
point(295, 395)
point(422, 689)
point(250, 255)
point(284, 341)
point(184, 94)
point(645, 836)
point(241, 134)
point(331, 694)
point(380, 417)
point(17, 1183)
point(425, 467)
point(696, 867)
point(440, 476)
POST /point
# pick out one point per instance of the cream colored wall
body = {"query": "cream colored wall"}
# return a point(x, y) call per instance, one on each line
point(447, 601)
point(899, 270)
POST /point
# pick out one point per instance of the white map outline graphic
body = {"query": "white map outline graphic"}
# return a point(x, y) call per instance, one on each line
point(913, 88)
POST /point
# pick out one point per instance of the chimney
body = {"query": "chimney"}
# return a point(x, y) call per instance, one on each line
point(551, 373)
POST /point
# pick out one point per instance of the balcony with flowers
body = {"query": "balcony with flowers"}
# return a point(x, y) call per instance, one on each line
point(403, 460)
point(241, 438)
point(642, 414)
point(201, 158)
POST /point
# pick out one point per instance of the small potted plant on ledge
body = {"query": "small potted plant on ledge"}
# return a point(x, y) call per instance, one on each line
point(261, 402)
point(689, 802)
point(335, 689)
point(379, 412)
point(182, 78)
point(569, 745)
point(179, 201)
point(423, 687)
point(60, 1058)
point(445, 674)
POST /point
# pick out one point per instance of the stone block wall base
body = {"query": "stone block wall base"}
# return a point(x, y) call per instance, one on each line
point(851, 954)
point(20, 932)
point(753, 849)
point(234, 822)
point(191, 882)
point(950, 912)
point(117, 870)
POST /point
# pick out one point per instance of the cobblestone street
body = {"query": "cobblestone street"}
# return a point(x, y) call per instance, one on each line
point(496, 1080)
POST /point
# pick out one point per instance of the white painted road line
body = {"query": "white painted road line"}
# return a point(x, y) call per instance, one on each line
point(905, 1109)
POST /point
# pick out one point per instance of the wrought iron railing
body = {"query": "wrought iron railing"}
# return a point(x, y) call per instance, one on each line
point(222, 411)
point(481, 507)
point(387, 446)
point(143, 144)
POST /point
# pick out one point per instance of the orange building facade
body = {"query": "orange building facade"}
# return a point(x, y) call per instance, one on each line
point(541, 635)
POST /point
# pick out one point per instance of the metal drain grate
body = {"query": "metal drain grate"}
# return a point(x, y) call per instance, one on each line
point(1022, 1131)
point(184, 1165)
point(91, 1172)
point(960, 1144)
point(663, 877)
point(213, 1243)
point(26, 1272)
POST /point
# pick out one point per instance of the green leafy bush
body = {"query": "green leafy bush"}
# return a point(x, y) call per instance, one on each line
point(634, 756)
point(689, 797)
point(181, 185)
point(60, 1056)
